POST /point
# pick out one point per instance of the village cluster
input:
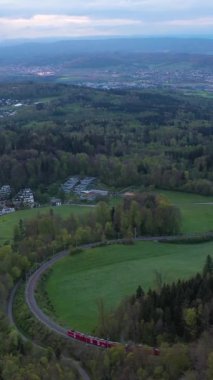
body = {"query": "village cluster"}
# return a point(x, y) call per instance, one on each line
point(8, 107)
point(81, 188)
point(23, 199)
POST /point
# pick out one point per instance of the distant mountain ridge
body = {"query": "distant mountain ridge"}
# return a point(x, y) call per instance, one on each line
point(66, 48)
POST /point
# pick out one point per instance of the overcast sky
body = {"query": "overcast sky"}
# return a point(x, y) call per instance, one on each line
point(84, 18)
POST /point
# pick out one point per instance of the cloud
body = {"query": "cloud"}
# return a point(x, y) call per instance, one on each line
point(197, 22)
point(60, 25)
point(50, 18)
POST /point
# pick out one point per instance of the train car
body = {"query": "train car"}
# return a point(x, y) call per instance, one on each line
point(71, 334)
point(90, 339)
point(156, 351)
point(103, 343)
point(95, 341)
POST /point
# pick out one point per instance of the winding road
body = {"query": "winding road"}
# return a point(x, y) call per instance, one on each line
point(50, 324)
point(31, 285)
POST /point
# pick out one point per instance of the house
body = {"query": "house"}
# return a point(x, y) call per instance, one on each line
point(7, 210)
point(93, 194)
point(25, 198)
point(84, 184)
point(69, 185)
point(55, 202)
point(129, 194)
point(77, 185)
point(17, 105)
point(5, 192)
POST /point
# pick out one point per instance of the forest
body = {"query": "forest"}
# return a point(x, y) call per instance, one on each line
point(124, 138)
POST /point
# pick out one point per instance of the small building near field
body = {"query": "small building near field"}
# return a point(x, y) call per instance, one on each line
point(129, 194)
point(69, 185)
point(7, 210)
point(55, 202)
point(93, 195)
point(84, 185)
point(5, 192)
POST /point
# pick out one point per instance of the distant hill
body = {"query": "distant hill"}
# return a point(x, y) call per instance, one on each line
point(62, 50)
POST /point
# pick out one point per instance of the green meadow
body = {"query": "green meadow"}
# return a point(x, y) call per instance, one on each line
point(8, 222)
point(77, 283)
point(196, 210)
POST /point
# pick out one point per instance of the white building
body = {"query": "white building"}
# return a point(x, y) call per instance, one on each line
point(25, 197)
point(93, 194)
point(7, 210)
point(5, 192)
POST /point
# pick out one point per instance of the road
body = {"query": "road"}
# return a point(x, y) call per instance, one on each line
point(10, 303)
point(38, 313)
point(75, 364)
point(30, 295)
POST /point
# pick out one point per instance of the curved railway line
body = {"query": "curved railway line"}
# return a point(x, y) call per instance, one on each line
point(33, 279)
point(53, 326)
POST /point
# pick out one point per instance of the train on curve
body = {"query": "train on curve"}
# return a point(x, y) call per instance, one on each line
point(103, 343)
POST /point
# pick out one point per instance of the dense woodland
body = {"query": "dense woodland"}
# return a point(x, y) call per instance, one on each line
point(124, 138)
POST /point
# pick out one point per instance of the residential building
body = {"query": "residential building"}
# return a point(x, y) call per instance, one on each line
point(93, 194)
point(7, 210)
point(55, 202)
point(25, 197)
point(5, 192)
point(84, 184)
point(69, 185)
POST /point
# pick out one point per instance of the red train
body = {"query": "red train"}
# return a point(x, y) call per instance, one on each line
point(90, 339)
point(103, 342)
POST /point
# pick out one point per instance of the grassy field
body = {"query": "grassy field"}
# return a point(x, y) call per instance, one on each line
point(76, 283)
point(8, 222)
point(196, 210)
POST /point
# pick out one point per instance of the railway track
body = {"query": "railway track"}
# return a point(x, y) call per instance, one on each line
point(33, 279)
point(54, 327)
